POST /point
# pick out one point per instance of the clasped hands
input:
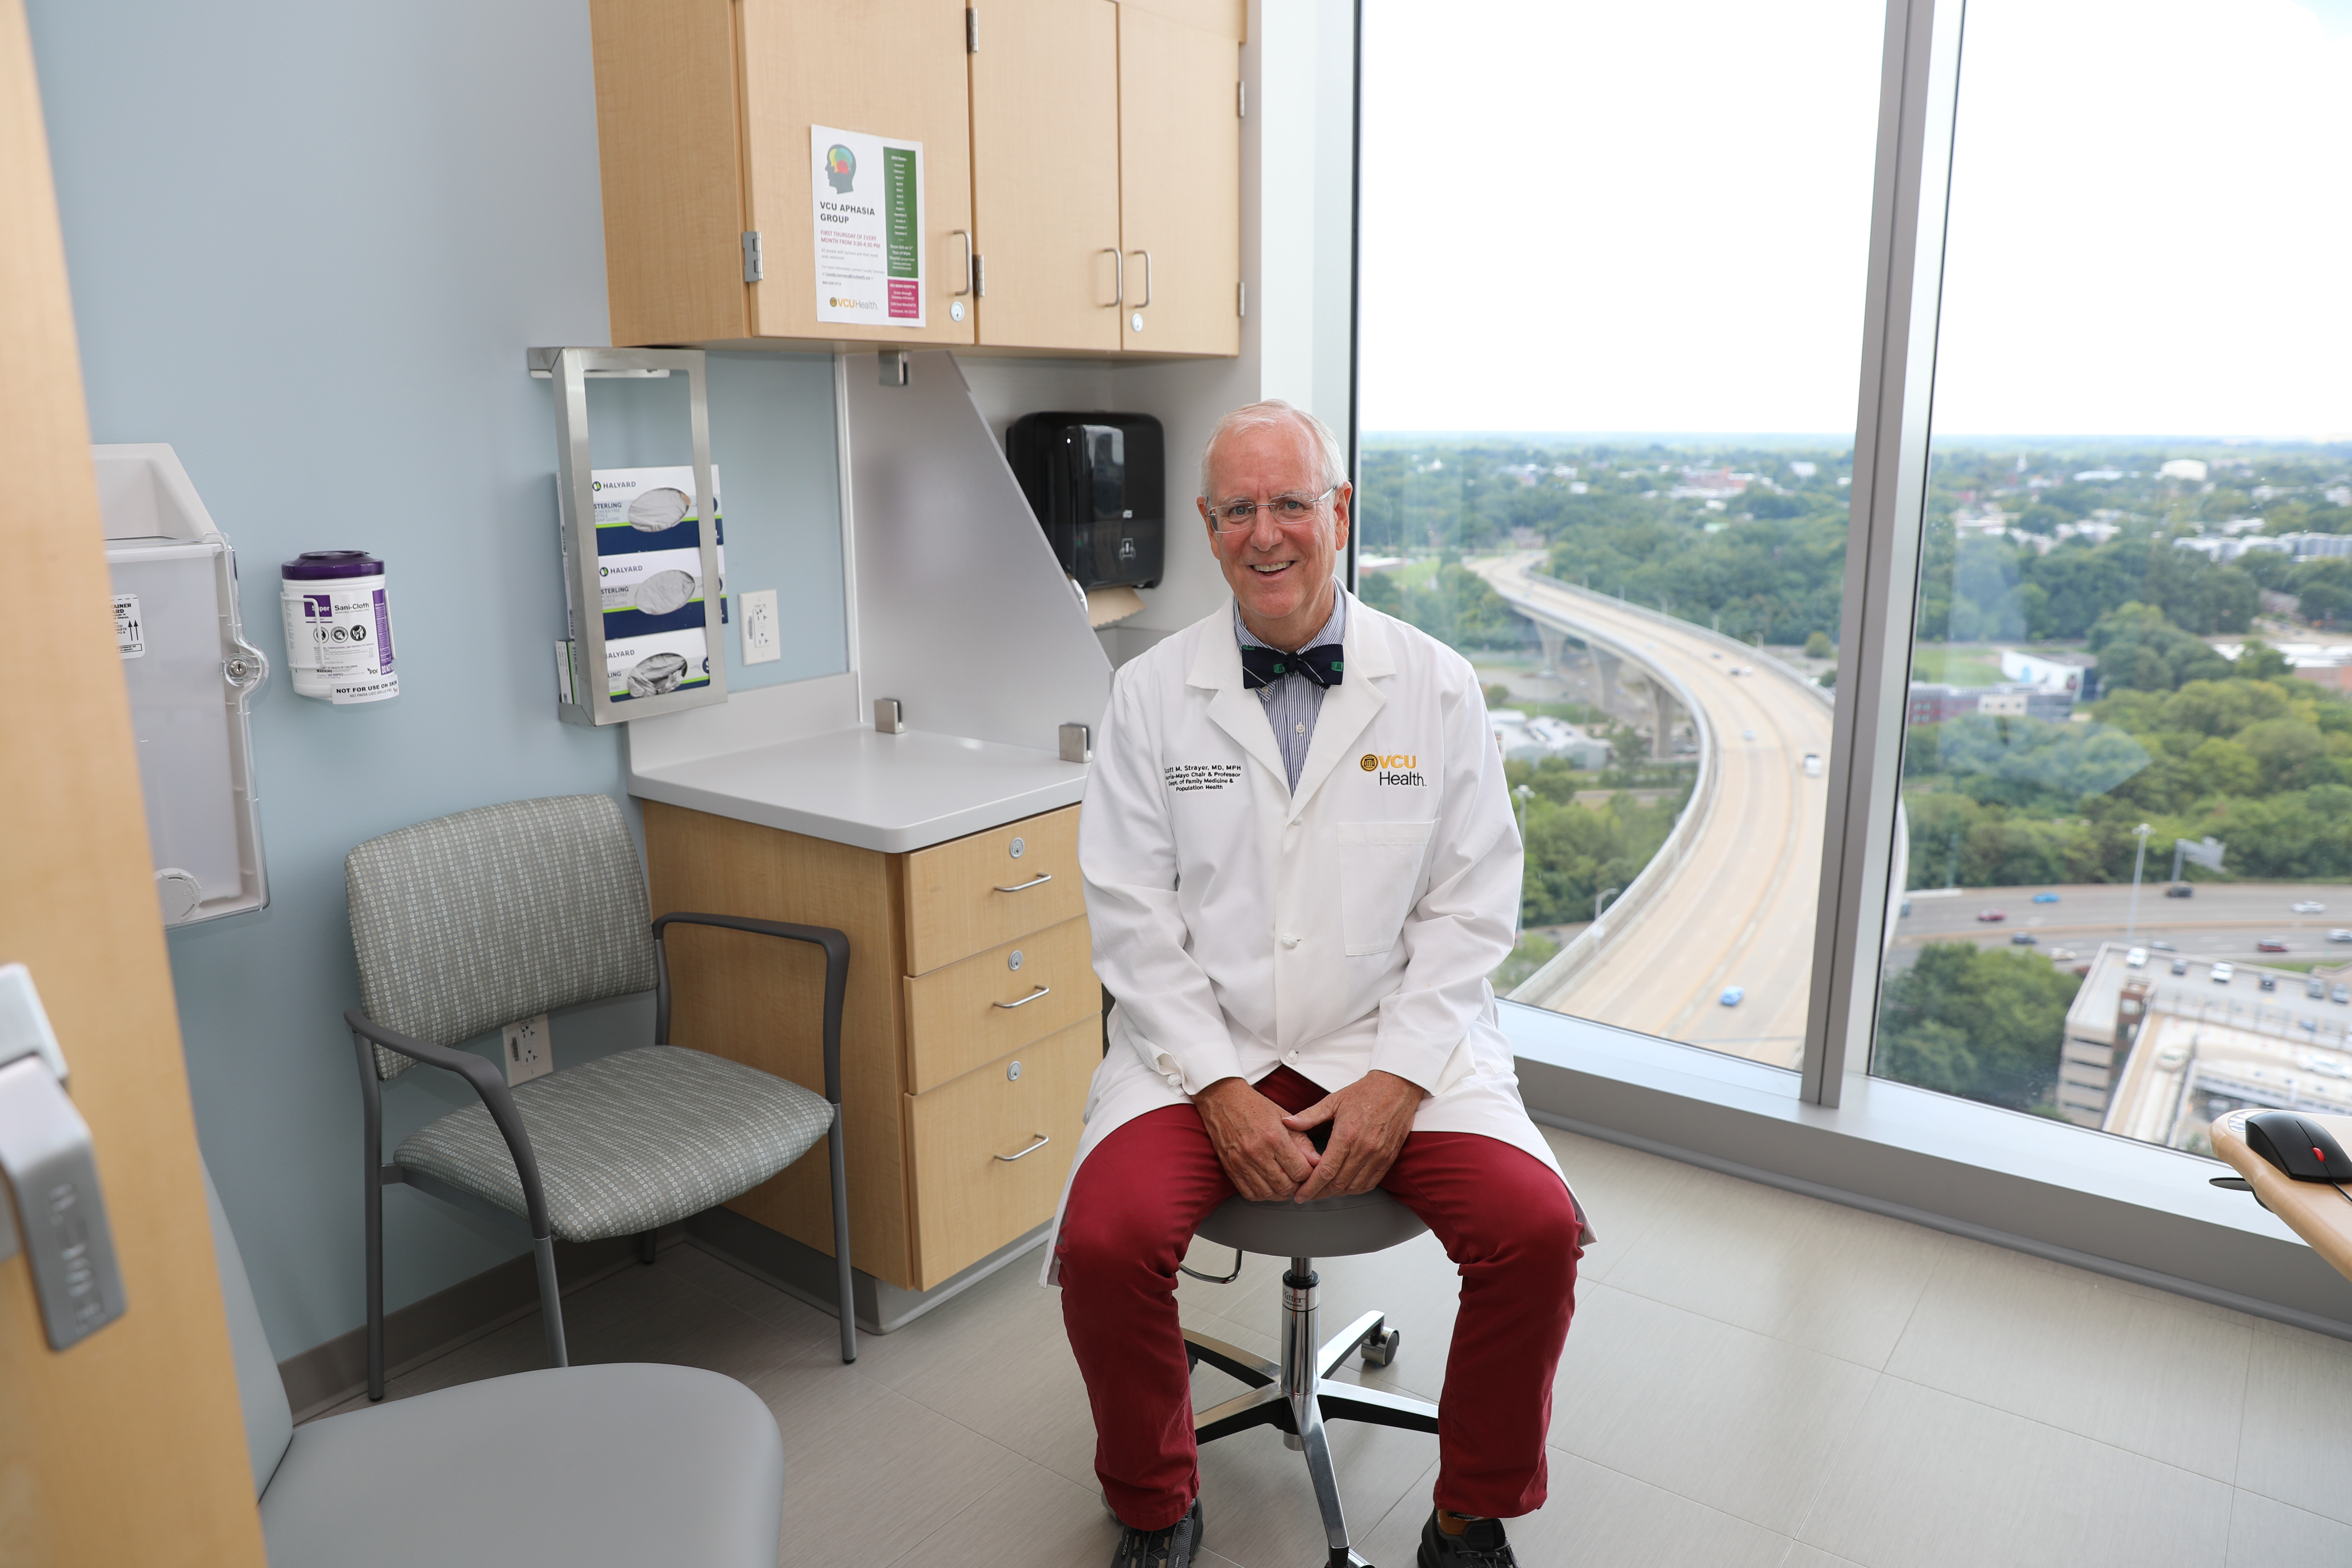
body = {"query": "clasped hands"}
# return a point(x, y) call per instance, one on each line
point(1268, 1155)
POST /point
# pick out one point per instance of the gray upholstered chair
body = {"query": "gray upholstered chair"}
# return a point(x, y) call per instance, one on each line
point(1295, 1396)
point(492, 916)
point(591, 1466)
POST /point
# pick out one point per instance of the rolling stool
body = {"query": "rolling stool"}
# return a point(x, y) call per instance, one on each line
point(1294, 1396)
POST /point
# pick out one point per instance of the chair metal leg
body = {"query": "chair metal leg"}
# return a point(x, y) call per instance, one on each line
point(551, 1299)
point(374, 1206)
point(845, 1292)
point(647, 1243)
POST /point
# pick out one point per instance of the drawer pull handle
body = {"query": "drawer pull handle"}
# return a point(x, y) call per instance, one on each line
point(1042, 1139)
point(1041, 991)
point(1032, 882)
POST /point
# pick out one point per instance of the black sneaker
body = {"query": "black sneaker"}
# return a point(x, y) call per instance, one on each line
point(1174, 1547)
point(1480, 1545)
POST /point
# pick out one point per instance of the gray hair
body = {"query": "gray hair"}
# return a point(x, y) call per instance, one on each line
point(1263, 416)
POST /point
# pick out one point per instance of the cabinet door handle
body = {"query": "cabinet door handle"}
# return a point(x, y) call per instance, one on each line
point(1041, 991)
point(1118, 275)
point(1042, 1139)
point(1146, 305)
point(965, 235)
point(1032, 882)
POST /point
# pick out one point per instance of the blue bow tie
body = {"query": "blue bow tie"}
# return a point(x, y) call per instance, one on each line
point(1264, 666)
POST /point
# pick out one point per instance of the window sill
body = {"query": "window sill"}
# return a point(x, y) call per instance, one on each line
point(2126, 1209)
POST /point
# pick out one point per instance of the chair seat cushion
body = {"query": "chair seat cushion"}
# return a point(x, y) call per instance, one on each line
point(1327, 1227)
point(631, 1142)
point(581, 1466)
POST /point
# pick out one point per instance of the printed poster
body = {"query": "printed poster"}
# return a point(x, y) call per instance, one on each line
point(868, 195)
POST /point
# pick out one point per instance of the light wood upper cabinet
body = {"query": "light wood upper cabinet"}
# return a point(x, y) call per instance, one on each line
point(1044, 173)
point(1179, 145)
point(885, 67)
point(1088, 151)
point(703, 110)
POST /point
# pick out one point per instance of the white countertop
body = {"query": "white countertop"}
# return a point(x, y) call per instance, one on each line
point(890, 793)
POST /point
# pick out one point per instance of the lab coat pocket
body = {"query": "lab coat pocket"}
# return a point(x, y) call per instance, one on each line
point(1379, 867)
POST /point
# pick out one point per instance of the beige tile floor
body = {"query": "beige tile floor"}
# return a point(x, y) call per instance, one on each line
point(1754, 1378)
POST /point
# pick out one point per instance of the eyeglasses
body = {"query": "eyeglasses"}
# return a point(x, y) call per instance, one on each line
point(1232, 517)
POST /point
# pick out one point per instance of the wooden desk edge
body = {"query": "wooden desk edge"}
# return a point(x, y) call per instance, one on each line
point(2308, 1208)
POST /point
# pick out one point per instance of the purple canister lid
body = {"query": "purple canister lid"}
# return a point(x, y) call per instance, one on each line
point(317, 565)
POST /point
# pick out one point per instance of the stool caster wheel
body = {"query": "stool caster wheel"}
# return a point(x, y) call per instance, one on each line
point(1380, 1350)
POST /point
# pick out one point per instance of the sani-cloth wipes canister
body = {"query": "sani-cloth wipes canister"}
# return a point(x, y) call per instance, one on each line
point(338, 626)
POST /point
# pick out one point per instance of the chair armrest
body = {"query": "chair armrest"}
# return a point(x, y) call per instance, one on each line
point(497, 1099)
point(837, 978)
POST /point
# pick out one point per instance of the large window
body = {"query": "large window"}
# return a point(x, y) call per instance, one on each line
point(2127, 768)
point(1613, 265)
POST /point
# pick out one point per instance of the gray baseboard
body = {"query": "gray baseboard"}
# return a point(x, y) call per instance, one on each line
point(802, 1271)
point(325, 1375)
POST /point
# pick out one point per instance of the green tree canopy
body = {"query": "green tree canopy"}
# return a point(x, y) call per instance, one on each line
point(1982, 1023)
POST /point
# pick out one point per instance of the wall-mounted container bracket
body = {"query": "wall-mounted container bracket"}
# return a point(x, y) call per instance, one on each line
point(190, 673)
point(609, 672)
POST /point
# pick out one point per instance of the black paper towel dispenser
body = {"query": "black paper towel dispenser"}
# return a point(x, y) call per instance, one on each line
point(1098, 483)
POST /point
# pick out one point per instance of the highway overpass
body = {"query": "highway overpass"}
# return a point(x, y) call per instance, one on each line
point(1730, 902)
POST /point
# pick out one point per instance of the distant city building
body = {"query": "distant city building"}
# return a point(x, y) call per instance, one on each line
point(2099, 476)
point(2244, 524)
point(1710, 484)
point(2098, 531)
point(2069, 672)
point(2189, 471)
point(1933, 702)
point(2339, 495)
point(1804, 470)
point(1521, 738)
point(2313, 546)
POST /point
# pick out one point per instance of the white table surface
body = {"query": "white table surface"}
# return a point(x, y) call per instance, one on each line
point(857, 786)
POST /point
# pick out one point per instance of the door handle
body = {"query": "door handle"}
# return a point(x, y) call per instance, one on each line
point(1042, 1139)
point(1146, 304)
point(1032, 882)
point(964, 235)
point(1117, 274)
point(1041, 991)
point(51, 1173)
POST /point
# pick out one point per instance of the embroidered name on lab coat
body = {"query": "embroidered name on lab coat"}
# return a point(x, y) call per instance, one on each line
point(1185, 777)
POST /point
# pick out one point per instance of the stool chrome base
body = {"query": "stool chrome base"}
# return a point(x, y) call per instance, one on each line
point(1295, 1397)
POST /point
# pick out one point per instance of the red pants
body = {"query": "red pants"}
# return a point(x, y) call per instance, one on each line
point(1505, 1219)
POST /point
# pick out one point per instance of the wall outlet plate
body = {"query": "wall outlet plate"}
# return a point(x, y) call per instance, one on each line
point(530, 1050)
point(761, 644)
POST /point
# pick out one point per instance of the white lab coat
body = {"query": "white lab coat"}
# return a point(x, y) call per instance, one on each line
point(1346, 927)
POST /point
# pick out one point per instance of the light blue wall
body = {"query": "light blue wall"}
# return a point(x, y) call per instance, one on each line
point(308, 245)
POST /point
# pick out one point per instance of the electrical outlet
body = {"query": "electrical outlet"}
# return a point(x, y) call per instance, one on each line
point(760, 643)
point(530, 1051)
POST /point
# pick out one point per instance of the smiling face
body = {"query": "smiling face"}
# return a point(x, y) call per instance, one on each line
point(1281, 575)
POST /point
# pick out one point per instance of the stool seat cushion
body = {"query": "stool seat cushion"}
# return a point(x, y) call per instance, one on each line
point(631, 1142)
point(1327, 1227)
point(583, 1466)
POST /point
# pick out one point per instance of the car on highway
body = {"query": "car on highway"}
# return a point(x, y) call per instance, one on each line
point(2179, 966)
point(2162, 947)
point(2270, 983)
point(2181, 891)
point(2339, 935)
point(2022, 939)
point(1812, 765)
point(2223, 973)
point(2063, 955)
point(2045, 898)
point(1733, 996)
point(2136, 959)
point(1990, 915)
point(1747, 734)
point(2270, 944)
point(2325, 1067)
point(2309, 907)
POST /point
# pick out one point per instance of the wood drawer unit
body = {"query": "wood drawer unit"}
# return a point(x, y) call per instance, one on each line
point(974, 892)
point(930, 942)
point(966, 1014)
point(975, 1190)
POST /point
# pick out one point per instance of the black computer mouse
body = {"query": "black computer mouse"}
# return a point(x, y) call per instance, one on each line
point(2299, 1146)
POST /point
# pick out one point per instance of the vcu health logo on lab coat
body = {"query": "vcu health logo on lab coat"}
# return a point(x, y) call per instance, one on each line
point(1397, 768)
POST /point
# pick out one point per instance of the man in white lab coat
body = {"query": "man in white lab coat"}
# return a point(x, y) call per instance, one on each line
point(1301, 866)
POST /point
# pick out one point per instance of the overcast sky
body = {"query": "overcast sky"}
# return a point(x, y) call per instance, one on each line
point(1584, 216)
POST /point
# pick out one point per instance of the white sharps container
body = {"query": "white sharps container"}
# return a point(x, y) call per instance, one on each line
point(338, 626)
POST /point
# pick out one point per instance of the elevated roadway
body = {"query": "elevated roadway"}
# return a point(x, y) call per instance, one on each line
point(1737, 907)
